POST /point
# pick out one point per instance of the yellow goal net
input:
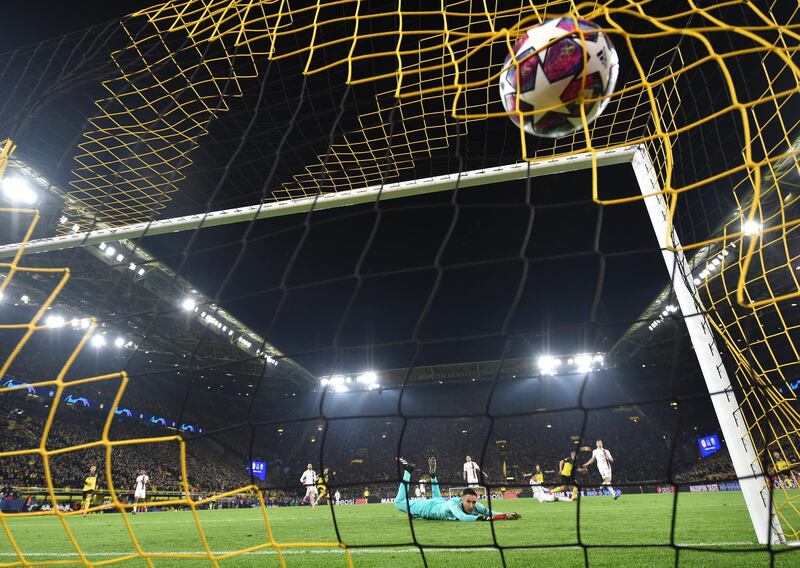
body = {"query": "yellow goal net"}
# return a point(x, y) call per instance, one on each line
point(190, 107)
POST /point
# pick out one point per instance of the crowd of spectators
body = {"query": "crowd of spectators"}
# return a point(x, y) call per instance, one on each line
point(361, 453)
point(80, 431)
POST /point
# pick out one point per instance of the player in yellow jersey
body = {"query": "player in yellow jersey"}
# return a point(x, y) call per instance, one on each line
point(566, 469)
point(322, 485)
point(782, 471)
point(89, 486)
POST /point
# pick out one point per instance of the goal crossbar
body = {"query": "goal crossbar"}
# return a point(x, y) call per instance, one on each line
point(421, 186)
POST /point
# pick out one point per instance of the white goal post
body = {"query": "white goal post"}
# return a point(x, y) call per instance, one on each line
point(754, 483)
point(456, 491)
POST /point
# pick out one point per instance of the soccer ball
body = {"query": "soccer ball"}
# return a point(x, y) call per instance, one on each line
point(555, 76)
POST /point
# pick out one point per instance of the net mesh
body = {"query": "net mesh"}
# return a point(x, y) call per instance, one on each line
point(217, 104)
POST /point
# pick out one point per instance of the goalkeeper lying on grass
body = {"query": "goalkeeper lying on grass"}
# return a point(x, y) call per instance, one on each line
point(465, 508)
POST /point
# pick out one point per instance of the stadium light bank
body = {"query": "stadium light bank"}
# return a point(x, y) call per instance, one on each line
point(343, 383)
point(549, 365)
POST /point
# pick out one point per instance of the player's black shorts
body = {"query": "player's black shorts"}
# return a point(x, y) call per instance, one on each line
point(87, 494)
point(567, 480)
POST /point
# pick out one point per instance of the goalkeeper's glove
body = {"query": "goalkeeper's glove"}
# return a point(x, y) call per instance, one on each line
point(499, 517)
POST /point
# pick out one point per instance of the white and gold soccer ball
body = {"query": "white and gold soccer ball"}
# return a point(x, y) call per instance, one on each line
point(556, 78)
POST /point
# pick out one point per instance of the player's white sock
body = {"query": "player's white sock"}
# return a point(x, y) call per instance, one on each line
point(610, 489)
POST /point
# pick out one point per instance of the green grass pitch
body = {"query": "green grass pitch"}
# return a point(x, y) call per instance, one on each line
point(633, 530)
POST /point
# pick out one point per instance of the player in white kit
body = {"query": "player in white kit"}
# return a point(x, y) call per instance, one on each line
point(537, 487)
point(140, 492)
point(603, 458)
point(309, 480)
point(471, 473)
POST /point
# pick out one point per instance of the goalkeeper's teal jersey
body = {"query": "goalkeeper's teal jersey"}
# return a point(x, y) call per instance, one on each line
point(437, 507)
point(442, 509)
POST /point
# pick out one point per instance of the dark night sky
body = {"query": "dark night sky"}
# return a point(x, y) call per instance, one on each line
point(25, 23)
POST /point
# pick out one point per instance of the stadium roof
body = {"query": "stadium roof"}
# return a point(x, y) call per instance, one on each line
point(164, 314)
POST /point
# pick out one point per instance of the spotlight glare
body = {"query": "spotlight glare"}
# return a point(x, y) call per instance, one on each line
point(98, 341)
point(188, 304)
point(751, 227)
point(54, 321)
point(119, 342)
point(368, 378)
point(584, 363)
point(548, 364)
point(19, 190)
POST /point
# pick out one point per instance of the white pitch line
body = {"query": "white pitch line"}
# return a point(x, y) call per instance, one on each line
point(429, 549)
point(50, 519)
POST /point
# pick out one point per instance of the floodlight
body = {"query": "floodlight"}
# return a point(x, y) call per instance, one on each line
point(18, 190)
point(188, 304)
point(119, 342)
point(751, 227)
point(54, 321)
point(548, 364)
point(98, 340)
point(584, 363)
point(368, 378)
